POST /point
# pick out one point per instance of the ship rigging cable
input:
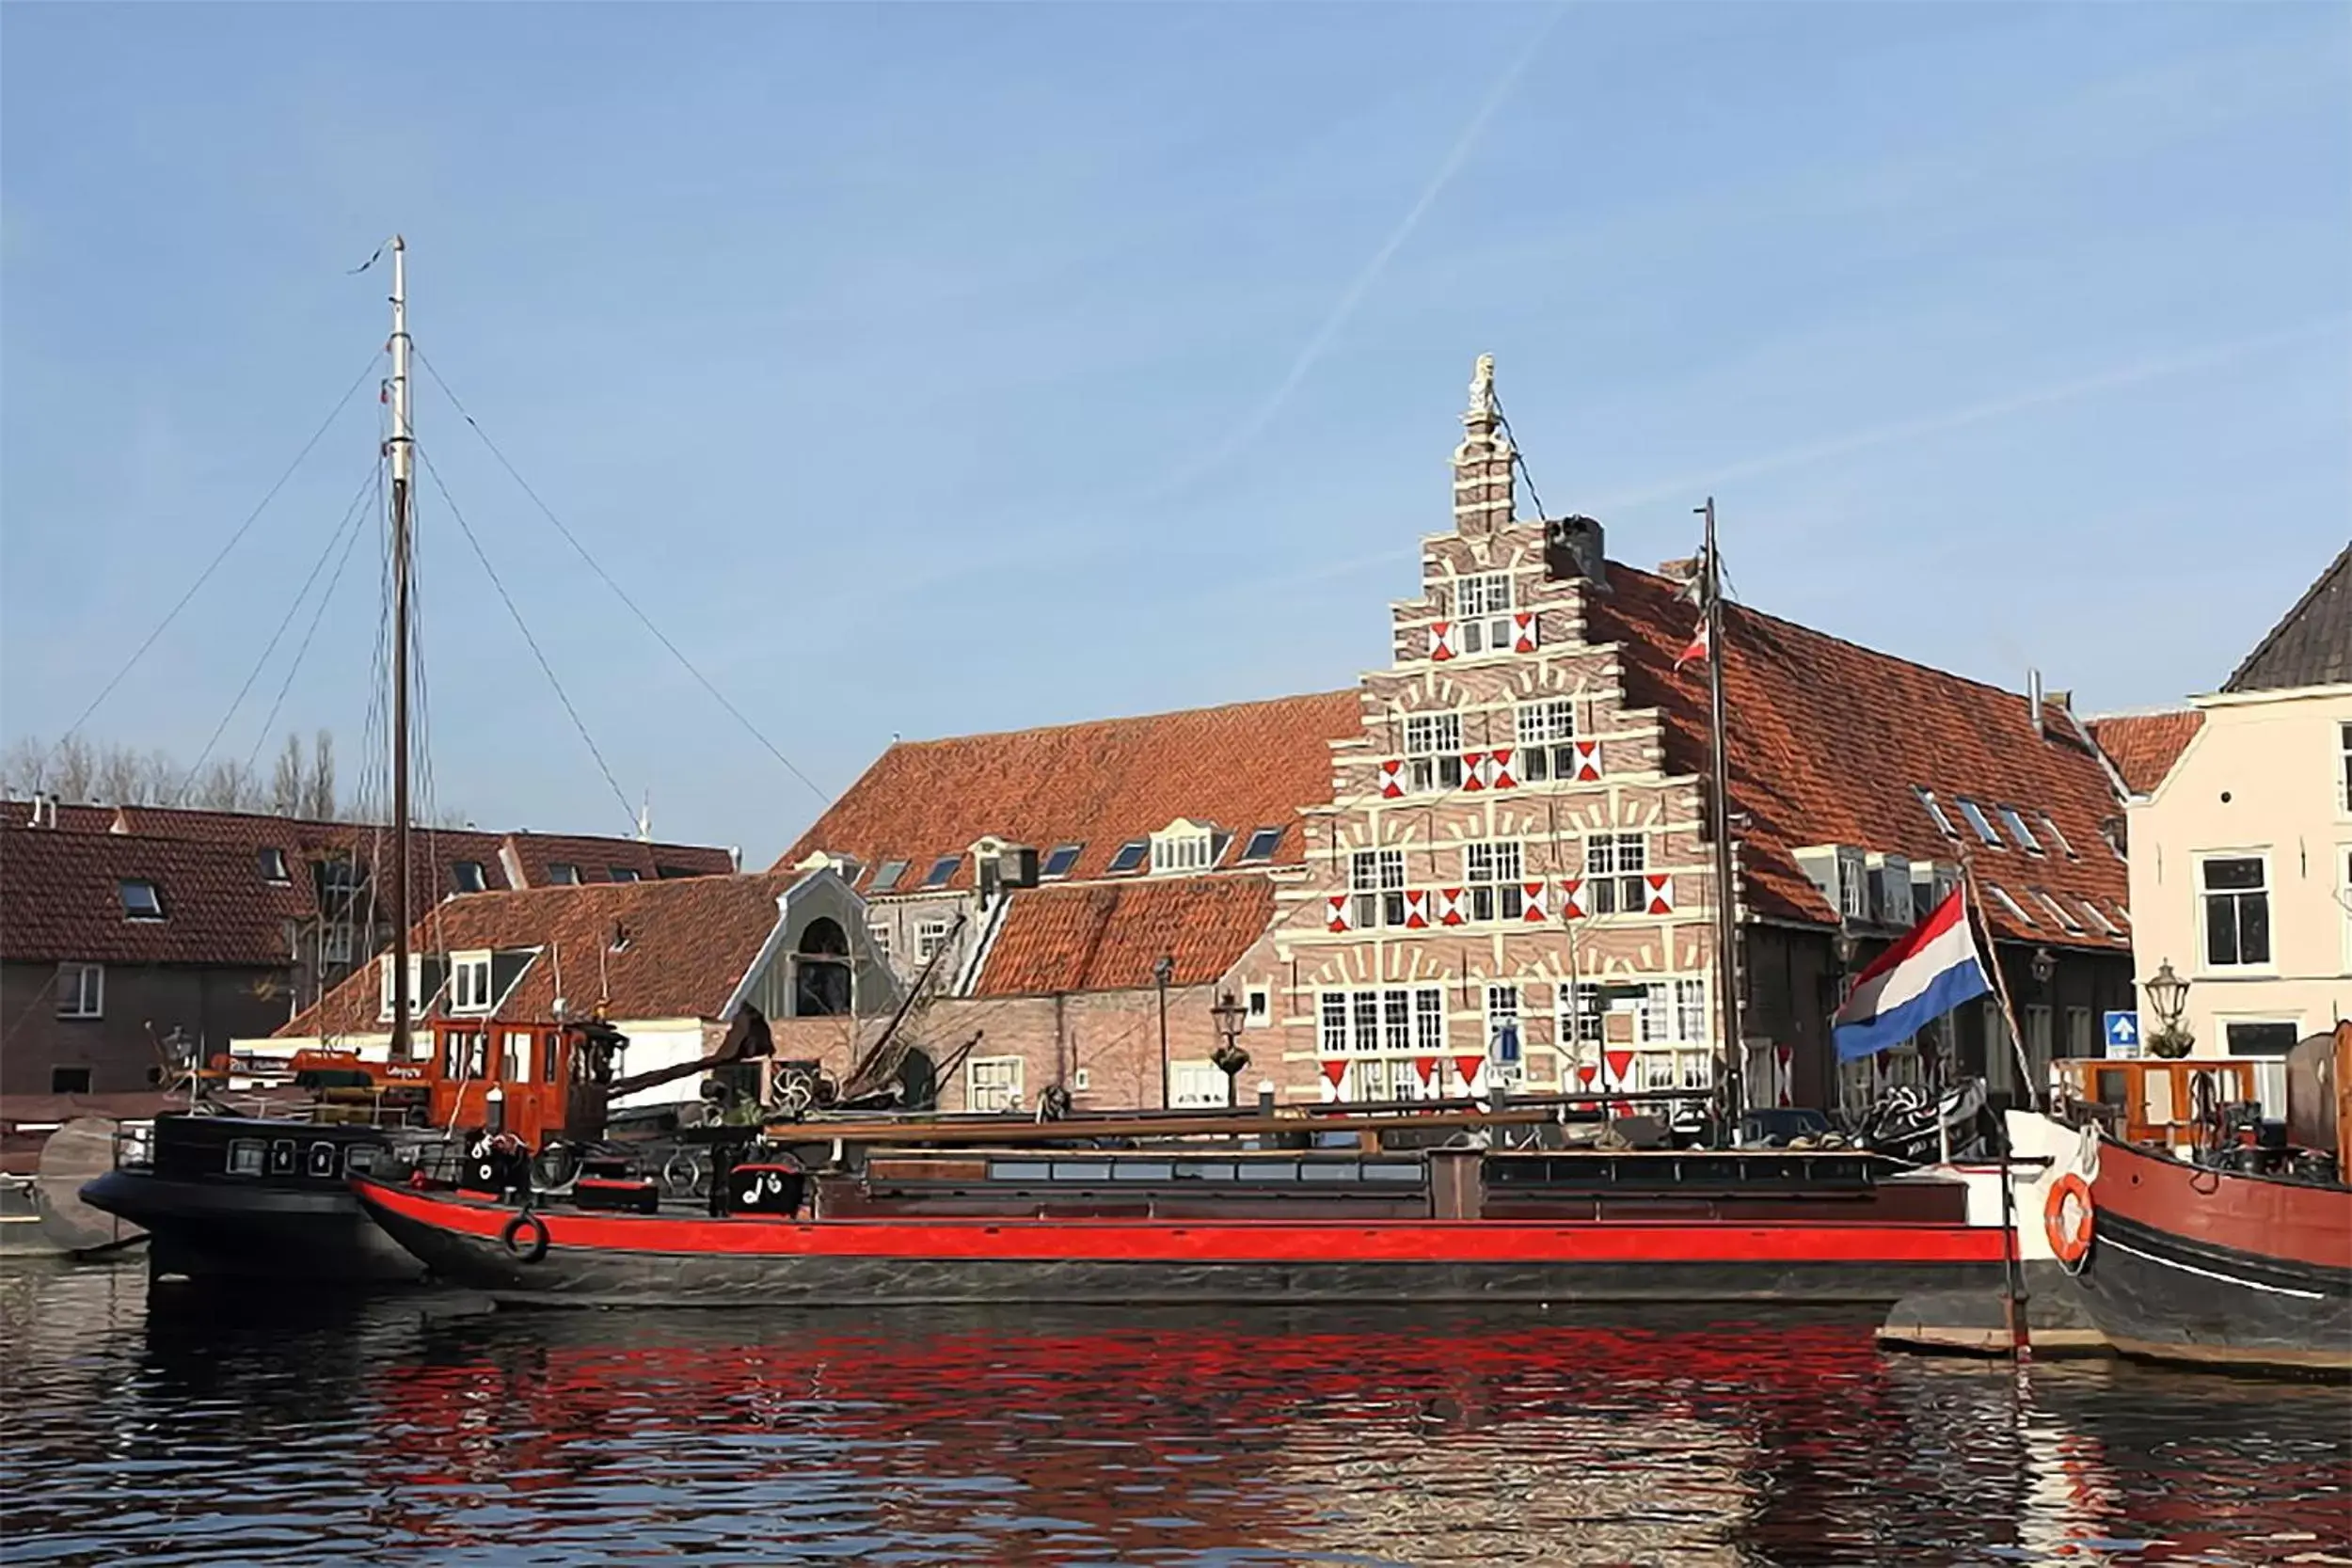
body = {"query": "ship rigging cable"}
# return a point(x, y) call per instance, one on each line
point(619, 592)
point(243, 529)
point(545, 668)
point(318, 613)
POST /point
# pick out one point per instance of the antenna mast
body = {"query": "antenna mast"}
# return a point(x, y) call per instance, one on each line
point(400, 449)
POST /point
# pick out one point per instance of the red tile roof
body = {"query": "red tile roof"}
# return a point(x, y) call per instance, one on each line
point(1828, 739)
point(690, 942)
point(2144, 746)
point(1107, 936)
point(1103, 784)
point(60, 900)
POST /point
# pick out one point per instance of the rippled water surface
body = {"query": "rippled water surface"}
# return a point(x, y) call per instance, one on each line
point(202, 1431)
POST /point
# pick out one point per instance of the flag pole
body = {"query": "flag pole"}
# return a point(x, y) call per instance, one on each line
point(2013, 1288)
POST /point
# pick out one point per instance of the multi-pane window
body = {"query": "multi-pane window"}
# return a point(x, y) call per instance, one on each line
point(1493, 873)
point(1673, 1012)
point(878, 932)
point(1376, 878)
point(470, 984)
point(81, 990)
point(1429, 1022)
point(1546, 732)
point(1395, 1020)
point(1580, 1020)
point(1482, 607)
point(1334, 1015)
point(994, 1082)
point(1365, 1035)
point(1614, 869)
point(1432, 751)
point(1179, 852)
point(930, 936)
point(2237, 911)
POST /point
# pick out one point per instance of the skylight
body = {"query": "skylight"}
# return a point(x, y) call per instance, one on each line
point(1262, 845)
point(563, 874)
point(140, 899)
point(1936, 812)
point(2051, 828)
point(2015, 823)
point(942, 869)
point(1130, 854)
point(1976, 819)
point(886, 876)
point(468, 876)
point(2065, 919)
point(1060, 860)
point(2097, 918)
point(273, 865)
point(622, 873)
point(2016, 910)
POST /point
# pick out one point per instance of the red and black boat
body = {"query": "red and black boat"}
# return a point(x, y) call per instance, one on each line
point(2240, 1258)
point(1250, 1207)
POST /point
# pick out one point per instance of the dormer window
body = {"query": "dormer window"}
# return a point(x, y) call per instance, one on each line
point(273, 865)
point(470, 982)
point(141, 900)
point(1181, 846)
point(468, 876)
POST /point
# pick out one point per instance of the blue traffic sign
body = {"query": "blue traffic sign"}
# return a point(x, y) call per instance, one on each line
point(2123, 1034)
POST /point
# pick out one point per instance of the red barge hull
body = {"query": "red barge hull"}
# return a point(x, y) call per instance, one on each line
point(2217, 1267)
point(599, 1258)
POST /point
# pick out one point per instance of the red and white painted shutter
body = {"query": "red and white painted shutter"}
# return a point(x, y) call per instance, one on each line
point(1392, 779)
point(1448, 906)
point(1588, 761)
point(1619, 1064)
point(1661, 892)
point(1472, 1072)
point(1572, 904)
point(1425, 1069)
point(1523, 631)
point(1417, 912)
point(1441, 639)
point(1586, 1073)
point(1334, 1074)
point(1535, 903)
point(1502, 768)
point(1474, 769)
point(1336, 913)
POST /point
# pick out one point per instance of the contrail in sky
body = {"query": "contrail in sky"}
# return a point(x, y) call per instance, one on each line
point(1250, 429)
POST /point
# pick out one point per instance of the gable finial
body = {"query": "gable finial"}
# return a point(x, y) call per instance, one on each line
point(1482, 392)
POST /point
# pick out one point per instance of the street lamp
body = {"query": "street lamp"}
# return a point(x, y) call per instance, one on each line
point(2043, 966)
point(1229, 1057)
point(2167, 996)
point(1162, 973)
point(1844, 945)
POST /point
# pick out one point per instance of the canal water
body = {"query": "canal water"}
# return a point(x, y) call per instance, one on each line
point(198, 1430)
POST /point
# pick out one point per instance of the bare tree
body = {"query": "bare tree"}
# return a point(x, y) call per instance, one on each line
point(289, 784)
point(72, 769)
point(319, 797)
point(228, 785)
point(159, 778)
point(23, 768)
point(120, 775)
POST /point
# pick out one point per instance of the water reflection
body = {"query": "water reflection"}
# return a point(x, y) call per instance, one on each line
point(199, 1430)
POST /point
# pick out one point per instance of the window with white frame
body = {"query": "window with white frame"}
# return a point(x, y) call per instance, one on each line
point(1180, 848)
point(1492, 872)
point(2343, 900)
point(470, 982)
point(2058, 910)
point(1129, 855)
point(1257, 1003)
point(2014, 821)
point(2050, 827)
point(1396, 1020)
point(1673, 1012)
point(1333, 1013)
point(1546, 732)
point(1058, 862)
point(1432, 751)
point(1481, 610)
point(993, 1083)
point(1977, 821)
point(2016, 910)
point(1262, 844)
point(1503, 1045)
point(1429, 1022)
point(1934, 811)
point(878, 932)
point(1582, 1015)
point(1375, 878)
point(930, 936)
point(563, 874)
point(335, 944)
point(81, 990)
point(272, 864)
point(468, 876)
point(2236, 891)
point(1195, 1083)
point(1614, 864)
point(141, 899)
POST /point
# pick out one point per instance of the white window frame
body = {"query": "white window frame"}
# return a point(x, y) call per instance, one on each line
point(274, 871)
point(2344, 900)
point(1256, 1004)
point(999, 1087)
point(2058, 836)
point(2014, 820)
point(1482, 603)
point(1402, 1022)
point(154, 894)
point(469, 982)
point(1504, 1013)
point(1178, 850)
point(1582, 1020)
point(89, 996)
point(1616, 864)
point(2268, 964)
point(1195, 1083)
point(2058, 910)
point(1493, 871)
point(1982, 824)
point(1046, 872)
point(929, 937)
point(480, 882)
point(1251, 854)
point(2016, 910)
point(1375, 881)
point(334, 942)
point(1433, 753)
point(2344, 770)
point(878, 932)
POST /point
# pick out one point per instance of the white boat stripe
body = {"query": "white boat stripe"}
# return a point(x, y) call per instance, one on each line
point(2225, 1279)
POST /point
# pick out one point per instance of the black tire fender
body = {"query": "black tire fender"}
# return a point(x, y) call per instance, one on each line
point(511, 1238)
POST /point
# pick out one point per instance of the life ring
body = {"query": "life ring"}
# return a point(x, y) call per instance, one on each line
point(537, 1249)
point(2067, 1218)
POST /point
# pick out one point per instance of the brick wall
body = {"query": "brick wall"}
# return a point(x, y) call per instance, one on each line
point(142, 1005)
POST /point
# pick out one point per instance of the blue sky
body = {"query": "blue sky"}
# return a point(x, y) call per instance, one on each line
point(934, 369)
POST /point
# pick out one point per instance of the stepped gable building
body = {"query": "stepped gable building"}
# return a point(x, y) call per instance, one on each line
point(124, 924)
point(1489, 862)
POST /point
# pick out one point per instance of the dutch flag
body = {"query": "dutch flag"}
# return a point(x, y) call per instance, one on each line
point(1916, 981)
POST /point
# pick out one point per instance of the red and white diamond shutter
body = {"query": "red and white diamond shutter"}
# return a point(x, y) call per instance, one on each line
point(1661, 892)
point(1446, 906)
point(1441, 639)
point(1473, 770)
point(1392, 779)
point(1336, 913)
point(1783, 1077)
point(1502, 768)
point(1334, 1074)
point(1588, 761)
point(1417, 912)
point(1535, 904)
point(1572, 904)
point(1523, 633)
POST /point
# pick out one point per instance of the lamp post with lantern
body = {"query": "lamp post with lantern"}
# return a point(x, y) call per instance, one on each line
point(1229, 1057)
point(2168, 998)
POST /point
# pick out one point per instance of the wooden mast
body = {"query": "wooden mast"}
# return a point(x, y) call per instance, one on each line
point(400, 449)
point(1719, 814)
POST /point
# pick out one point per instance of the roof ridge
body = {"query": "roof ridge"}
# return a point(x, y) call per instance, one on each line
point(1128, 718)
point(2326, 574)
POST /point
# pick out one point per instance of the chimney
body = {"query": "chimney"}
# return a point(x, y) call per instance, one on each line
point(1482, 464)
point(1573, 548)
point(2033, 702)
point(45, 810)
